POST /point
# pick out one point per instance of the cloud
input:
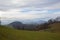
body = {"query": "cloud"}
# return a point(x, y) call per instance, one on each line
point(13, 4)
point(29, 9)
point(15, 14)
point(55, 6)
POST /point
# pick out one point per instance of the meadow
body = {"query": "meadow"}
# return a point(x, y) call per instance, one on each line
point(13, 34)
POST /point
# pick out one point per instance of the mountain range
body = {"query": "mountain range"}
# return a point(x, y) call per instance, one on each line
point(26, 25)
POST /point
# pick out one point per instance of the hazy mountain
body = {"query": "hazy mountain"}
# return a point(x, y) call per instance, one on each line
point(29, 25)
point(34, 22)
point(16, 24)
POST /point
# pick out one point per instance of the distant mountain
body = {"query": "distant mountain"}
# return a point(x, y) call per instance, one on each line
point(25, 21)
point(34, 21)
point(39, 21)
point(27, 25)
point(19, 25)
point(16, 24)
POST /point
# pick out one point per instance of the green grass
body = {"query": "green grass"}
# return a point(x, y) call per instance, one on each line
point(12, 34)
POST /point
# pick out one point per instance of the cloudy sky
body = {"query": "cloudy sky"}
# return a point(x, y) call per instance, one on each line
point(29, 9)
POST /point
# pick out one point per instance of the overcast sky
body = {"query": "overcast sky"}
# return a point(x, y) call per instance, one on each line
point(29, 9)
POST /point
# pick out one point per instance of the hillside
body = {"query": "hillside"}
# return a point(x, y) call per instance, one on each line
point(55, 27)
point(12, 34)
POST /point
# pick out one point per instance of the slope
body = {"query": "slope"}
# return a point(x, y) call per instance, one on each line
point(55, 27)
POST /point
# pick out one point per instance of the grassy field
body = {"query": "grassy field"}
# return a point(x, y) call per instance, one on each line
point(12, 34)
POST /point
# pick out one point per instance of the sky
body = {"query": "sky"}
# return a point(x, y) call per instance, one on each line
point(29, 9)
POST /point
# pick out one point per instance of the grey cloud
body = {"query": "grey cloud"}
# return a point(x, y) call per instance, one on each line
point(40, 5)
point(7, 4)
